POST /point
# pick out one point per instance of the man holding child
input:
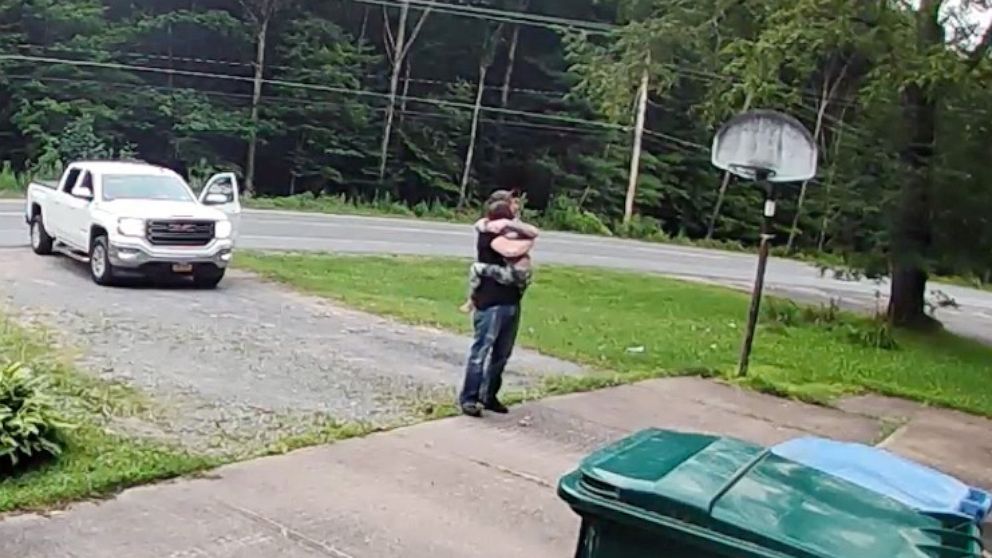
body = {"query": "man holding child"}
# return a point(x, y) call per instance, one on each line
point(497, 280)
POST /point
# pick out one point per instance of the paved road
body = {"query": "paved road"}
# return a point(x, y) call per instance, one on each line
point(299, 231)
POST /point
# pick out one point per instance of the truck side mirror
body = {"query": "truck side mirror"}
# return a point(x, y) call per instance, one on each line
point(215, 199)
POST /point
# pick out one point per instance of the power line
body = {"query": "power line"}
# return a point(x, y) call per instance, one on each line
point(147, 56)
point(307, 86)
point(672, 142)
point(505, 16)
point(289, 100)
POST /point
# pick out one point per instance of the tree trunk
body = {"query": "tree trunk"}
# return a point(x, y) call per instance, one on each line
point(912, 234)
point(635, 158)
point(171, 67)
point(831, 178)
point(511, 63)
point(365, 25)
point(394, 81)
point(504, 99)
point(821, 241)
point(907, 297)
point(912, 228)
point(400, 47)
point(821, 112)
point(256, 100)
point(470, 155)
point(406, 89)
point(711, 228)
point(511, 59)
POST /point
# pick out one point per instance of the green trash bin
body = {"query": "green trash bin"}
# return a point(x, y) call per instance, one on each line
point(662, 494)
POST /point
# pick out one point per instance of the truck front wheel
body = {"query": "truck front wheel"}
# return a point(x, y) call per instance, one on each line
point(100, 268)
point(41, 243)
point(207, 277)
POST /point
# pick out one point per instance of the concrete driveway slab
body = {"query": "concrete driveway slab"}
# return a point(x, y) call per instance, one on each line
point(452, 488)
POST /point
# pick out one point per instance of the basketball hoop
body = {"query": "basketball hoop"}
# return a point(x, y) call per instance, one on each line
point(752, 172)
point(766, 147)
point(769, 140)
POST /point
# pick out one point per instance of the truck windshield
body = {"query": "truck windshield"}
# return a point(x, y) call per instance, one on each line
point(144, 187)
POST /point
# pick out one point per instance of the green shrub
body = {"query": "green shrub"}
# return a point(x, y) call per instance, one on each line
point(30, 429)
point(565, 214)
point(782, 312)
point(422, 209)
point(10, 181)
point(874, 334)
point(642, 228)
point(823, 314)
point(445, 213)
point(386, 204)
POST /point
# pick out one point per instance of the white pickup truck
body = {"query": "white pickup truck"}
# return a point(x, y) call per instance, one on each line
point(127, 219)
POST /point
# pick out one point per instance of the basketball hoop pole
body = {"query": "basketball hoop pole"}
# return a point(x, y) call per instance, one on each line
point(761, 178)
point(766, 147)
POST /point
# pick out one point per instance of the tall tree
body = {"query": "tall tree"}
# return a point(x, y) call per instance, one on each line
point(930, 56)
point(397, 48)
point(492, 40)
point(260, 13)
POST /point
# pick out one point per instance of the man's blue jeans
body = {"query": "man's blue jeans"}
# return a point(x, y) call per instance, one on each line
point(495, 334)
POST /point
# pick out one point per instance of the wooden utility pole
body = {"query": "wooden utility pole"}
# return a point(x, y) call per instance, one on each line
point(635, 158)
point(256, 100)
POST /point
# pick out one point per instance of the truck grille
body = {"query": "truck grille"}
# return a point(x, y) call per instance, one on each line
point(180, 233)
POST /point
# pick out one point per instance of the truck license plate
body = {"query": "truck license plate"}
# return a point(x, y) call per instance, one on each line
point(182, 268)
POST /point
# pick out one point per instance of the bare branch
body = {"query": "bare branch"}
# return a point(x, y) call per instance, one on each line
point(388, 35)
point(404, 49)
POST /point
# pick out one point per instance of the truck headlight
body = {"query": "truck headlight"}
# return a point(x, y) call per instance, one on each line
point(131, 227)
point(223, 229)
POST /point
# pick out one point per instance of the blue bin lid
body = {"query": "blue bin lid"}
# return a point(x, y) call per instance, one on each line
point(881, 471)
point(733, 488)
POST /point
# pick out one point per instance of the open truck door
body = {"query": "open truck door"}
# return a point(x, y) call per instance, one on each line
point(222, 192)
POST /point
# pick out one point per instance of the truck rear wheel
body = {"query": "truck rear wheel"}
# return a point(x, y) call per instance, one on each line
point(41, 243)
point(101, 269)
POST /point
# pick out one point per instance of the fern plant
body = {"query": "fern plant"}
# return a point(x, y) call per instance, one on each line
point(29, 426)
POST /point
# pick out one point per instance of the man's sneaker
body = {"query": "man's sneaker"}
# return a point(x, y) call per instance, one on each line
point(495, 406)
point(472, 410)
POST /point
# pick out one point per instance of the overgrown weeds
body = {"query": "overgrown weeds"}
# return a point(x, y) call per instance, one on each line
point(872, 332)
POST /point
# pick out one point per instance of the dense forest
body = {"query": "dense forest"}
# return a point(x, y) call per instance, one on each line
point(441, 102)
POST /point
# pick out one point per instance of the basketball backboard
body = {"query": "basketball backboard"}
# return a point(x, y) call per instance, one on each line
point(765, 142)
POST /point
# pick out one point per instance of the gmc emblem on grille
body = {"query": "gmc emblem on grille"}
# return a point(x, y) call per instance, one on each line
point(182, 227)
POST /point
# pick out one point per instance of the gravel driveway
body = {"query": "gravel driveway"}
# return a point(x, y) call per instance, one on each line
point(235, 368)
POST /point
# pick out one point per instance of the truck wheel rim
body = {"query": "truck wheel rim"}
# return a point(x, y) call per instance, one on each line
point(97, 263)
point(35, 235)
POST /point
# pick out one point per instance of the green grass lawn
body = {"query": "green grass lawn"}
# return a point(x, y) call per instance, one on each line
point(638, 326)
point(96, 461)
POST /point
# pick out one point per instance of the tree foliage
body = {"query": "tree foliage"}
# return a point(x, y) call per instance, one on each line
point(896, 92)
